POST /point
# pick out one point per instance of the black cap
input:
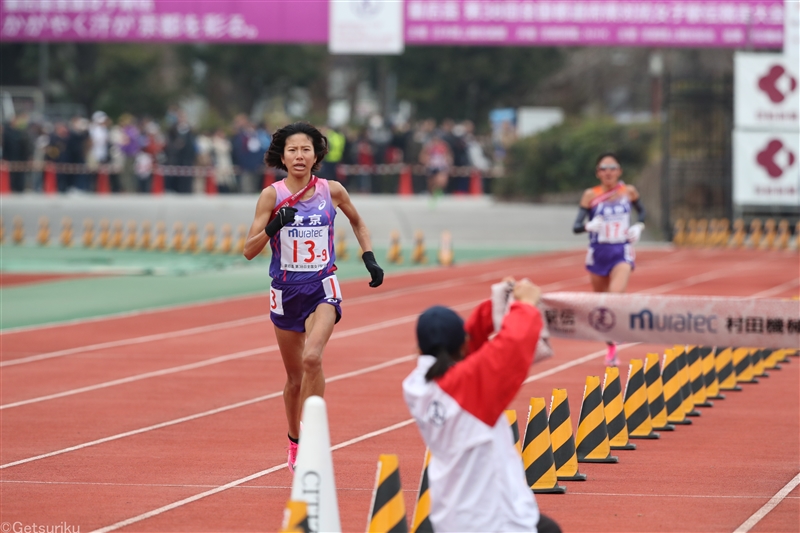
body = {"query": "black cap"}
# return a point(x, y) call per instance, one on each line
point(440, 328)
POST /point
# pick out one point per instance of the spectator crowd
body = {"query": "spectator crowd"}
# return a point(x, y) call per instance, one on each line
point(130, 150)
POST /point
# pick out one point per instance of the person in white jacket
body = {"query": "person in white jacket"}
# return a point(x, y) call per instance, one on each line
point(457, 394)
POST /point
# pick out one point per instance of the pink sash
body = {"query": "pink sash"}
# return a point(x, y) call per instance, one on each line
point(293, 199)
point(608, 194)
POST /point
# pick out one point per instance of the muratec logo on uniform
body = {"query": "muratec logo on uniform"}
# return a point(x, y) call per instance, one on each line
point(602, 319)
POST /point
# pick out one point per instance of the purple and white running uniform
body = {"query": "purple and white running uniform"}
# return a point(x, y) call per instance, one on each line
point(303, 255)
point(609, 246)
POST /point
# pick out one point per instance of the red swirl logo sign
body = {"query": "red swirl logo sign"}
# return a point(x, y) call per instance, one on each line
point(776, 158)
point(777, 84)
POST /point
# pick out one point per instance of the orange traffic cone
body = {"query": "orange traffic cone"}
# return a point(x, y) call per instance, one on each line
point(475, 182)
point(5, 178)
point(405, 188)
point(158, 181)
point(211, 182)
point(50, 186)
point(103, 185)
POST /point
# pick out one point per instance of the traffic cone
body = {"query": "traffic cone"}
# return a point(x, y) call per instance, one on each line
point(774, 357)
point(742, 365)
point(562, 440)
point(655, 394)
point(269, 177)
point(783, 236)
point(314, 461)
point(103, 185)
point(445, 255)
point(211, 182)
point(50, 185)
point(43, 235)
point(475, 182)
point(130, 237)
point(421, 521)
point(404, 187)
point(5, 178)
point(341, 246)
point(210, 241)
point(145, 238)
point(673, 398)
point(295, 517)
point(614, 411)
point(537, 454)
point(686, 384)
point(395, 254)
point(388, 506)
point(418, 255)
point(511, 416)
point(694, 356)
point(637, 407)
point(592, 444)
point(66, 232)
point(757, 358)
point(18, 231)
point(708, 354)
point(726, 375)
point(157, 187)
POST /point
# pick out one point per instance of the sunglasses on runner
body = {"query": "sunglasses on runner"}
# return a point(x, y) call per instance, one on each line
point(608, 167)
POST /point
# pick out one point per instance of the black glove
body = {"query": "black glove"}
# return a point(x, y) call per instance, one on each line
point(285, 216)
point(374, 269)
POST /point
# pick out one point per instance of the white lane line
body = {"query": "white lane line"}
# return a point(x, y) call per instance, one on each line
point(751, 522)
point(652, 495)
point(241, 355)
point(383, 296)
point(768, 293)
point(574, 362)
point(190, 499)
point(204, 414)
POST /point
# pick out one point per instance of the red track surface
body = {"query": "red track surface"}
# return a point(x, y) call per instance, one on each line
point(8, 279)
point(711, 476)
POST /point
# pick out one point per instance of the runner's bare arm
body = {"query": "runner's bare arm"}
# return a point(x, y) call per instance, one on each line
point(257, 237)
point(341, 199)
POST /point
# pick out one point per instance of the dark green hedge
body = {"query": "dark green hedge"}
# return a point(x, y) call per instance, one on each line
point(562, 159)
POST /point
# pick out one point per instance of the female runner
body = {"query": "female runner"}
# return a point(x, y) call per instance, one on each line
point(610, 258)
point(295, 215)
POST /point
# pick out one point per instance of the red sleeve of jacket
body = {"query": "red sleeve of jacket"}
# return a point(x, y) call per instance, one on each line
point(486, 381)
point(479, 326)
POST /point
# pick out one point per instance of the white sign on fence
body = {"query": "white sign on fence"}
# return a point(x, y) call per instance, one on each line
point(765, 168)
point(766, 92)
point(366, 27)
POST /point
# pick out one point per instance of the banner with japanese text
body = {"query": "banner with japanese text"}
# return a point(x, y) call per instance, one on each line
point(660, 319)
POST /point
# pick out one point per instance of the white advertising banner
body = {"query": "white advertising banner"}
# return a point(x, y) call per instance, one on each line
point(659, 319)
point(766, 170)
point(791, 31)
point(366, 27)
point(766, 92)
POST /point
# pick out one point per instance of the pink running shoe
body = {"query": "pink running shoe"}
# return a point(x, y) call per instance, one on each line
point(611, 355)
point(292, 459)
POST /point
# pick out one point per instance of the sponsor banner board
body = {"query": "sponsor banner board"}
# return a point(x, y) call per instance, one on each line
point(660, 319)
point(757, 24)
point(299, 21)
point(674, 23)
point(766, 169)
point(791, 31)
point(766, 92)
point(366, 27)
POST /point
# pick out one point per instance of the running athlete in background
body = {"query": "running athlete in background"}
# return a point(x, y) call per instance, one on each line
point(610, 258)
point(295, 215)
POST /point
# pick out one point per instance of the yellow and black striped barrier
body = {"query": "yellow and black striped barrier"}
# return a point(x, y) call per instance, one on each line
point(719, 233)
point(637, 407)
point(418, 254)
point(511, 416)
point(421, 520)
point(694, 356)
point(395, 254)
point(592, 444)
point(775, 358)
point(726, 374)
point(757, 356)
point(655, 394)
point(388, 506)
point(686, 384)
point(614, 411)
point(743, 366)
point(295, 517)
point(709, 356)
point(673, 398)
point(562, 441)
point(537, 453)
